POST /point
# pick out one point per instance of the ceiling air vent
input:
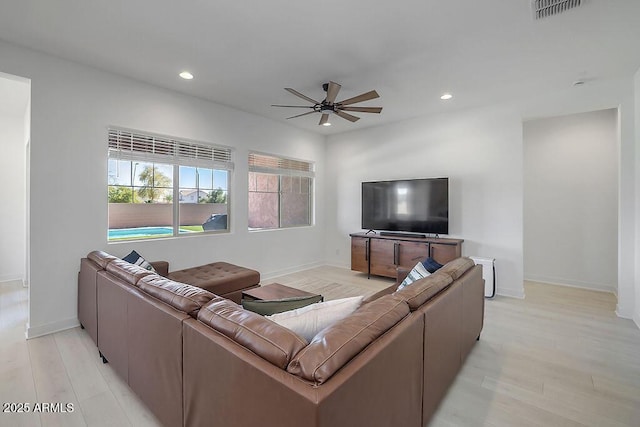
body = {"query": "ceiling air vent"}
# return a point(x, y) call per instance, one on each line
point(546, 8)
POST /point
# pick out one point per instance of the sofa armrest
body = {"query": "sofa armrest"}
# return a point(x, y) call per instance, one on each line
point(401, 274)
point(162, 267)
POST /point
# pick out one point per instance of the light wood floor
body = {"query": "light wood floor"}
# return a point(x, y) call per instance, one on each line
point(560, 357)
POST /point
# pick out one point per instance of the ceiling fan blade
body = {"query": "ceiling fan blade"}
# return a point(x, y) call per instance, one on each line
point(362, 109)
point(292, 106)
point(332, 92)
point(300, 115)
point(324, 119)
point(298, 94)
point(347, 116)
point(364, 97)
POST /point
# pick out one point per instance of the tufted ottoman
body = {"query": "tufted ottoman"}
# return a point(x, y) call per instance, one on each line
point(221, 278)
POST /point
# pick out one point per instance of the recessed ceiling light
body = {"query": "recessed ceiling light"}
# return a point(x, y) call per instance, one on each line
point(446, 96)
point(326, 124)
point(186, 75)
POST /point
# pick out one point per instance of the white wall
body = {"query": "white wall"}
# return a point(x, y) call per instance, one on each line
point(71, 108)
point(481, 153)
point(571, 200)
point(13, 110)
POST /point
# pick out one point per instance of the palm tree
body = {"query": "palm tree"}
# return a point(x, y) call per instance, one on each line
point(154, 182)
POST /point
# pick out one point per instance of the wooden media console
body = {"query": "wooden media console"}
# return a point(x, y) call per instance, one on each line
point(381, 255)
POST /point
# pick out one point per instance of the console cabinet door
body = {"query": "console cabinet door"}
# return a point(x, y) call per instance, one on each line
point(360, 254)
point(443, 252)
point(383, 253)
point(411, 253)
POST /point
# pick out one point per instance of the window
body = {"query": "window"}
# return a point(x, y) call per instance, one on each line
point(161, 187)
point(280, 192)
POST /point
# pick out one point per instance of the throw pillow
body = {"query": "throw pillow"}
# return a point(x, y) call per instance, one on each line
point(268, 307)
point(308, 321)
point(418, 272)
point(135, 258)
point(431, 265)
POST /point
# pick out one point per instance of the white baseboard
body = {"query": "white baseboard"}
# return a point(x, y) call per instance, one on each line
point(511, 293)
point(338, 265)
point(623, 314)
point(11, 280)
point(571, 283)
point(50, 328)
point(277, 273)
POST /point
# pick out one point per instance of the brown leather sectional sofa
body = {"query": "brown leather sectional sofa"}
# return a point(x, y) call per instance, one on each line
point(223, 279)
point(199, 359)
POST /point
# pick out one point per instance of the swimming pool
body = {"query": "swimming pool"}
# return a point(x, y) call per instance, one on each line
point(139, 232)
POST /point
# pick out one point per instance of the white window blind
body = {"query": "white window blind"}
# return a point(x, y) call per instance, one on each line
point(265, 163)
point(131, 145)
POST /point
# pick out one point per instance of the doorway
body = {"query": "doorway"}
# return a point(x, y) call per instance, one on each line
point(571, 170)
point(15, 121)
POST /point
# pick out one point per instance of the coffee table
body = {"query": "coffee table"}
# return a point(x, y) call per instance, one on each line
point(275, 291)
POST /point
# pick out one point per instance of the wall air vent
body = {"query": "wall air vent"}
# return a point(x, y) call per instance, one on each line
point(546, 8)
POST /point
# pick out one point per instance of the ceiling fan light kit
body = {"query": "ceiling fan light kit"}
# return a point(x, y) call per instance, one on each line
point(330, 106)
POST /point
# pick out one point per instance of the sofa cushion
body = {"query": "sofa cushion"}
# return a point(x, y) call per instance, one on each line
point(101, 258)
point(186, 298)
point(457, 267)
point(267, 339)
point(269, 307)
point(422, 290)
point(418, 272)
point(336, 345)
point(137, 259)
point(308, 321)
point(126, 271)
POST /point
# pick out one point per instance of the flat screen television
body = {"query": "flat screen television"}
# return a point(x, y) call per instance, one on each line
point(410, 205)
